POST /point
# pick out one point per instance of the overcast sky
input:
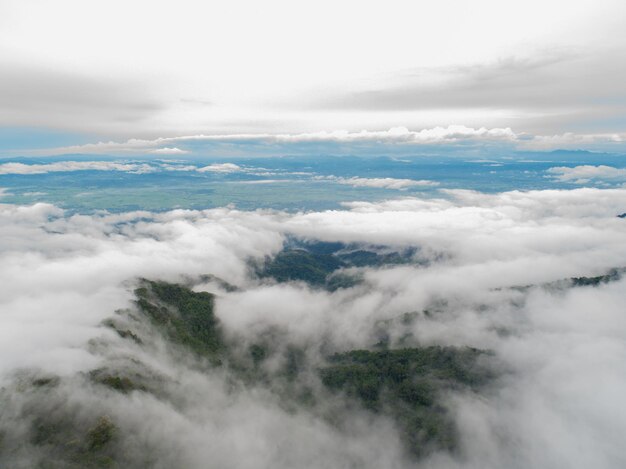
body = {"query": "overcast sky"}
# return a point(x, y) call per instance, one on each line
point(115, 70)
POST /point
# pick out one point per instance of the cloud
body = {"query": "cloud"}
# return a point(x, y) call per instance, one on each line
point(220, 168)
point(66, 166)
point(450, 136)
point(532, 92)
point(383, 183)
point(396, 135)
point(478, 85)
point(40, 96)
point(535, 78)
point(265, 181)
point(177, 167)
point(557, 404)
point(572, 140)
point(587, 173)
point(169, 151)
point(129, 167)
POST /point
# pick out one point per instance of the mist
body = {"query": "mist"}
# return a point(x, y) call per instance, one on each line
point(486, 271)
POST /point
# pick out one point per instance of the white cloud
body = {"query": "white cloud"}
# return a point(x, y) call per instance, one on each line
point(383, 183)
point(134, 167)
point(587, 173)
point(64, 166)
point(169, 151)
point(177, 167)
point(395, 135)
point(573, 140)
point(450, 135)
point(264, 181)
point(557, 404)
point(220, 168)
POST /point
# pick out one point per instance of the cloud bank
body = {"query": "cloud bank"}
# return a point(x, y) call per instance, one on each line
point(587, 173)
point(451, 136)
point(66, 166)
point(135, 168)
point(538, 77)
point(483, 259)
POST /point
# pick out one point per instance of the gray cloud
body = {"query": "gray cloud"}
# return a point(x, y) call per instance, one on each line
point(36, 96)
point(537, 94)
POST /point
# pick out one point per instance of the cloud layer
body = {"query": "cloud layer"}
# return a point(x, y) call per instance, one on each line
point(67, 166)
point(559, 403)
point(128, 167)
point(451, 136)
point(538, 77)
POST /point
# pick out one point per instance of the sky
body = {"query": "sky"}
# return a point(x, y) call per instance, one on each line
point(120, 77)
point(192, 142)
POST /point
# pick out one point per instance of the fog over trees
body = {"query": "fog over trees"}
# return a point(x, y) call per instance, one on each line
point(476, 330)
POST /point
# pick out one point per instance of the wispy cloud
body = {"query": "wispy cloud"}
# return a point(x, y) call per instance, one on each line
point(65, 166)
point(533, 92)
point(452, 135)
point(128, 167)
point(383, 183)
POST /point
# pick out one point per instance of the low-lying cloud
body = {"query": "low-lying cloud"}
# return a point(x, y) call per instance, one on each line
point(220, 168)
point(67, 166)
point(483, 258)
point(169, 151)
point(452, 135)
point(383, 183)
point(588, 173)
point(127, 167)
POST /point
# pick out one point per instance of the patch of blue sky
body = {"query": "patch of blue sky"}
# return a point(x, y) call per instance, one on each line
point(15, 140)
